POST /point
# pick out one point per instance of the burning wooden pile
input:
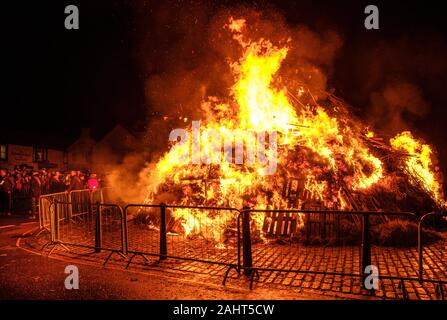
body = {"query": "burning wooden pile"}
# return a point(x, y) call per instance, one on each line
point(324, 156)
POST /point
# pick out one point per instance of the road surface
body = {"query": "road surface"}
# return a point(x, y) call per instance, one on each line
point(27, 275)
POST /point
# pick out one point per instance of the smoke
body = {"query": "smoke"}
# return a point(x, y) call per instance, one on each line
point(185, 52)
point(396, 81)
point(129, 173)
point(396, 106)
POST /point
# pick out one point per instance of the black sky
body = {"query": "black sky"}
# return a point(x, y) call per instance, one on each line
point(60, 80)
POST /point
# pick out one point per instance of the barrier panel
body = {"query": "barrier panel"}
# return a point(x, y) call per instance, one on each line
point(272, 254)
point(111, 229)
point(432, 257)
point(80, 202)
point(265, 243)
point(44, 208)
point(100, 229)
point(75, 232)
point(202, 234)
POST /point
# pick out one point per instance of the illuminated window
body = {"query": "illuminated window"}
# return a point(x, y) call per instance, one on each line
point(3, 152)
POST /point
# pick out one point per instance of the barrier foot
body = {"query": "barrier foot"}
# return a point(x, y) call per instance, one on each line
point(122, 255)
point(254, 273)
point(111, 254)
point(108, 257)
point(52, 249)
point(130, 261)
point(404, 290)
point(440, 291)
point(55, 246)
point(42, 231)
point(134, 255)
point(45, 245)
point(227, 273)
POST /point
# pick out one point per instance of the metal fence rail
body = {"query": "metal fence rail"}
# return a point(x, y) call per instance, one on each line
point(172, 231)
point(235, 239)
point(111, 230)
point(81, 201)
point(79, 232)
point(426, 257)
point(44, 208)
point(270, 255)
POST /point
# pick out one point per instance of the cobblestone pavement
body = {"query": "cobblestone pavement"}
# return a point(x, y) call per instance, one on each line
point(402, 262)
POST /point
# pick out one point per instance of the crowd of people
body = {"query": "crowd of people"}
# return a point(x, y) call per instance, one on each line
point(21, 188)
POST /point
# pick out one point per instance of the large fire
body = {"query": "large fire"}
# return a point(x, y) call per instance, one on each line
point(323, 147)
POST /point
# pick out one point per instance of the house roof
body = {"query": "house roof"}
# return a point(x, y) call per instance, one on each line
point(114, 135)
point(117, 134)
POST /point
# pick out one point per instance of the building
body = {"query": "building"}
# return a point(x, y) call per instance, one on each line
point(12, 155)
point(80, 152)
point(104, 153)
point(85, 153)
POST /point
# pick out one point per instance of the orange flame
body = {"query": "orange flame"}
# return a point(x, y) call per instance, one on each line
point(419, 164)
point(333, 144)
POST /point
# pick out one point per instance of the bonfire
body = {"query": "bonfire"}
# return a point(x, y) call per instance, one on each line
point(325, 156)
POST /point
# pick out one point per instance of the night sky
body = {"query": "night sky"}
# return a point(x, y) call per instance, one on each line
point(61, 80)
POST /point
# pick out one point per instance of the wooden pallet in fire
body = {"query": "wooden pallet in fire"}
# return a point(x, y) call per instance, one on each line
point(320, 225)
point(283, 224)
point(280, 224)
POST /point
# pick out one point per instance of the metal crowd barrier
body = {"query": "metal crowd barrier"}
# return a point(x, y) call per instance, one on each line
point(111, 230)
point(80, 201)
point(44, 208)
point(100, 230)
point(293, 260)
point(118, 231)
point(437, 278)
point(161, 238)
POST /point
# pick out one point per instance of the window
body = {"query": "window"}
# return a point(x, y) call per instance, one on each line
point(40, 155)
point(3, 152)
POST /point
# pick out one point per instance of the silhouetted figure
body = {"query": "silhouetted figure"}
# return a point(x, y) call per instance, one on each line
point(5, 193)
point(36, 190)
point(75, 182)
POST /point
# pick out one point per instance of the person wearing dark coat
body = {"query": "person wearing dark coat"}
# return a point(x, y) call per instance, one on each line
point(56, 184)
point(5, 193)
point(75, 182)
point(35, 189)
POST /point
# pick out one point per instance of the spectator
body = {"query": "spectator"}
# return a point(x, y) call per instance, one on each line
point(56, 183)
point(5, 193)
point(75, 181)
point(36, 189)
point(45, 178)
point(93, 183)
point(21, 188)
